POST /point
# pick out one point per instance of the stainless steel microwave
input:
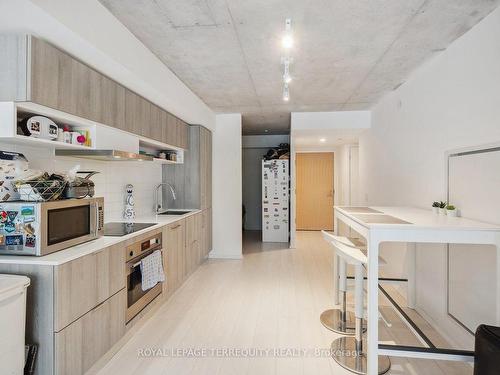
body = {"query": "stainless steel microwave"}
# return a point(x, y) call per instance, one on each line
point(41, 228)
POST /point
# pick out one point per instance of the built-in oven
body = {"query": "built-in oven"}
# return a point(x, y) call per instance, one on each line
point(138, 299)
point(41, 228)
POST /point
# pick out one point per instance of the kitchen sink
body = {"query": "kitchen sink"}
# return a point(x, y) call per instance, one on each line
point(174, 212)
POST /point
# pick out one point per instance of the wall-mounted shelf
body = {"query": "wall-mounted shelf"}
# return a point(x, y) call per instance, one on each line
point(11, 113)
point(165, 161)
point(23, 140)
point(154, 149)
point(102, 137)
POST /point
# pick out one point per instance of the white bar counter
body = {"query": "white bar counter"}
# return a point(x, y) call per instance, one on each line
point(408, 225)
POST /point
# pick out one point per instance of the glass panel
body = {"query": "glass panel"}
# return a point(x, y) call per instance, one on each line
point(67, 223)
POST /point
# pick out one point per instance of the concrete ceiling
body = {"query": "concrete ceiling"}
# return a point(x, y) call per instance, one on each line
point(347, 53)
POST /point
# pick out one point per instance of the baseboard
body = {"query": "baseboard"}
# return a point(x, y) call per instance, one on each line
point(214, 255)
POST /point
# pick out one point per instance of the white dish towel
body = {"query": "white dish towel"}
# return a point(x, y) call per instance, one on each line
point(152, 270)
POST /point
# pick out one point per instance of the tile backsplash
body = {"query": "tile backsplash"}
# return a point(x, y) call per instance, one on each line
point(110, 182)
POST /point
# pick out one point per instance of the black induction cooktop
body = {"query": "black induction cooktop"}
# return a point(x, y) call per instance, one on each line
point(122, 229)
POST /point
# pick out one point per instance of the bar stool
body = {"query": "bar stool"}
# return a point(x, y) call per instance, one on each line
point(348, 351)
point(335, 319)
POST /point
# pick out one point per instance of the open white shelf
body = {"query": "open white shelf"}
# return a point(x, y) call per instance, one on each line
point(165, 161)
point(24, 140)
point(10, 112)
point(102, 137)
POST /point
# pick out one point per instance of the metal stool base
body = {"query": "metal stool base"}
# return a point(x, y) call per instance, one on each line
point(332, 320)
point(344, 353)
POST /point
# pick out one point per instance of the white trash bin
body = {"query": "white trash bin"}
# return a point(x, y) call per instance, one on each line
point(12, 322)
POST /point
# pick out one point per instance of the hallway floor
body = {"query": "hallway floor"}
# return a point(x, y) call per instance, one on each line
point(270, 299)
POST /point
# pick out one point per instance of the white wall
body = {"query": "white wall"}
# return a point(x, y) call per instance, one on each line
point(226, 192)
point(110, 182)
point(87, 30)
point(254, 148)
point(450, 102)
point(331, 125)
point(330, 120)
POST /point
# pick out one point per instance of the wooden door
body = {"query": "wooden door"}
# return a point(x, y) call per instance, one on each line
point(314, 191)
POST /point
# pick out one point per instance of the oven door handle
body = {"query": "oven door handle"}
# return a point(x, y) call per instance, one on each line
point(130, 266)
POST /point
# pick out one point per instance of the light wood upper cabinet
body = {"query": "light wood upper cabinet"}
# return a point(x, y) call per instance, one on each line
point(36, 71)
point(193, 178)
point(182, 134)
point(205, 168)
point(156, 123)
point(43, 79)
point(111, 104)
point(174, 131)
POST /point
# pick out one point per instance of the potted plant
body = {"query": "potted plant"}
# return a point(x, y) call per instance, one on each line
point(451, 210)
point(435, 207)
point(442, 208)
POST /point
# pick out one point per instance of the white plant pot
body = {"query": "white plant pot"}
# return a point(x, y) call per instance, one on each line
point(442, 211)
point(451, 213)
point(435, 210)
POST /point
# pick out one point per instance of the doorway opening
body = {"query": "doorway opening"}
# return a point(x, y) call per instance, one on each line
point(254, 151)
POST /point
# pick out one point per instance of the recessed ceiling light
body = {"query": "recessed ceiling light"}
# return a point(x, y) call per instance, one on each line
point(322, 140)
point(287, 42)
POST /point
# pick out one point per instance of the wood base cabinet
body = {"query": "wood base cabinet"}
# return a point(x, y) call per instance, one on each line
point(194, 254)
point(85, 282)
point(83, 342)
point(174, 256)
point(206, 232)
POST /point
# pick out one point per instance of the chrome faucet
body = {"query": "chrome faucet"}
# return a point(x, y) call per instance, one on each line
point(159, 206)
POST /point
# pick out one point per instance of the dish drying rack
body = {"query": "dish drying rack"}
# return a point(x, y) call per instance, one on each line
point(40, 191)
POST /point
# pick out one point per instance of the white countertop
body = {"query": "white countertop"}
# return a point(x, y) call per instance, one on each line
point(415, 218)
point(90, 247)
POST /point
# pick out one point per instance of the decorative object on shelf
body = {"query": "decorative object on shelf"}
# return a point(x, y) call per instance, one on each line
point(38, 127)
point(12, 165)
point(60, 135)
point(451, 210)
point(77, 138)
point(442, 208)
point(171, 155)
point(162, 155)
point(435, 207)
point(129, 212)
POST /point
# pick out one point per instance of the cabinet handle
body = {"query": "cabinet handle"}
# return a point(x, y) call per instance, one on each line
point(177, 226)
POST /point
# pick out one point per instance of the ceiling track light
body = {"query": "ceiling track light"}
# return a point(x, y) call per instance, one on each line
point(287, 40)
point(286, 92)
point(287, 78)
point(287, 43)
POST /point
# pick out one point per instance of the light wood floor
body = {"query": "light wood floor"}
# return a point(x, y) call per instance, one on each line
point(270, 299)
